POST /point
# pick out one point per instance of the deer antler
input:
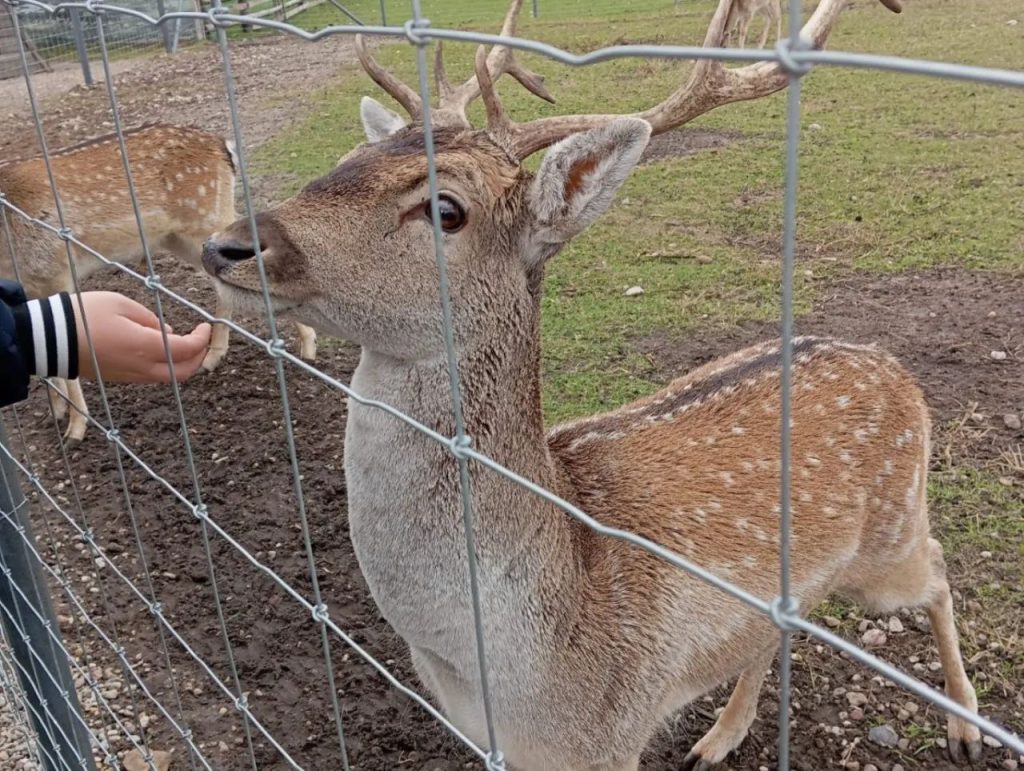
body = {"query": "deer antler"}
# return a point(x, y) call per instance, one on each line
point(454, 101)
point(710, 85)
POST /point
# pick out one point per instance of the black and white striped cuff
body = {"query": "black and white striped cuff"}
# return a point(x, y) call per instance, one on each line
point(47, 336)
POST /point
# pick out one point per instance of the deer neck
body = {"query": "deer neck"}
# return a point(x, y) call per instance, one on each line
point(405, 505)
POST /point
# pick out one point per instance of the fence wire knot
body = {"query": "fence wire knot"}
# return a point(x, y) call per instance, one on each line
point(112, 434)
point(785, 50)
point(275, 347)
point(94, 6)
point(156, 609)
point(495, 761)
point(780, 612)
point(64, 233)
point(199, 511)
point(152, 282)
point(459, 444)
point(411, 33)
point(242, 703)
point(213, 13)
point(320, 613)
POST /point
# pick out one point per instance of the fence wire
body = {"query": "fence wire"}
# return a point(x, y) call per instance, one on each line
point(108, 726)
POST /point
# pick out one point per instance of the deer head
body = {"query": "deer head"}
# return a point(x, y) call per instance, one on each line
point(353, 252)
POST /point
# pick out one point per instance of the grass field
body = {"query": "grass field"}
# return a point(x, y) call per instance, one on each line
point(889, 180)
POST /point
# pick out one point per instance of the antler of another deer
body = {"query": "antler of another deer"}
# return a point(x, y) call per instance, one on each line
point(710, 85)
point(454, 101)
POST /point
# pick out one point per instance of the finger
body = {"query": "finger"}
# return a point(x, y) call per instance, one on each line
point(183, 369)
point(138, 313)
point(180, 347)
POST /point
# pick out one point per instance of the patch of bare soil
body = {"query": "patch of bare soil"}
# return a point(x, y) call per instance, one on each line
point(937, 322)
point(273, 76)
point(958, 331)
point(688, 141)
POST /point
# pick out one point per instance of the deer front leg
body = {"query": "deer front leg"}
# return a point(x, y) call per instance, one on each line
point(732, 725)
point(744, 27)
point(307, 338)
point(56, 392)
point(219, 336)
point(77, 421)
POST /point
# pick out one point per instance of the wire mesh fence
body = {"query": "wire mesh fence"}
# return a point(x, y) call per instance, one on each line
point(118, 672)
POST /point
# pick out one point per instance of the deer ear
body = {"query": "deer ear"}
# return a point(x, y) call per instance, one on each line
point(578, 180)
point(378, 121)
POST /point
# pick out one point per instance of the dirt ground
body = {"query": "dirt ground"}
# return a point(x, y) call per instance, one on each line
point(943, 324)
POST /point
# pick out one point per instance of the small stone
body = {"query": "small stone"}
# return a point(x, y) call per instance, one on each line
point(856, 714)
point(1012, 421)
point(873, 638)
point(144, 720)
point(898, 767)
point(941, 742)
point(895, 625)
point(883, 736)
point(910, 707)
point(870, 767)
point(998, 355)
point(1012, 23)
point(986, 555)
point(991, 741)
point(1010, 764)
point(222, 746)
point(815, 127)
point(704, 259)
point(856, 699)
point(902, 715)
point(634, 291)
point(934, 666)
point(903, 744)
point(852, 765)
point(831, 621)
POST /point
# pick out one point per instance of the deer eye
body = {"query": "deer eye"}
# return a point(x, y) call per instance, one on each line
point(453, 216)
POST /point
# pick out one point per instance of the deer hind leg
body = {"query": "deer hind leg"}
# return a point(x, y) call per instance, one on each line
point(307, 338)
point(964, 738)
point(732, 725)
point(744, 26)
point(77, 422)
point(765, 32)
point(920, 581)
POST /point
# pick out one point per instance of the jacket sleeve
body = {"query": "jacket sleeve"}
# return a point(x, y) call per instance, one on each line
point(37, 337)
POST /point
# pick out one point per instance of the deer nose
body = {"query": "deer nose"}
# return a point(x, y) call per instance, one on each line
point(218, 255)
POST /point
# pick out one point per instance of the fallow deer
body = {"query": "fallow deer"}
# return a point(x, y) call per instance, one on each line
point(185, 179)
point(744, 11)
point(591, 643)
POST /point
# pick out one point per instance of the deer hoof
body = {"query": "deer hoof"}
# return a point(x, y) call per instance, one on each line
point(694, 762)
point(964, 752)
point(212, 360)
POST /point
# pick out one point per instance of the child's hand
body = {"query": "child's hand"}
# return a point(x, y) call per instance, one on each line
point(129, 344)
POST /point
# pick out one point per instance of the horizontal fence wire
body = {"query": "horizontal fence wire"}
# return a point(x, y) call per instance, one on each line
point(794, 59)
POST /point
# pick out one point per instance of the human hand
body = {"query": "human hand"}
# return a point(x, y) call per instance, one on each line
point(129, 344)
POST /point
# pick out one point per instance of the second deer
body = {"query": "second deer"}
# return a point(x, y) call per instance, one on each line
point(185, 182)
point(744, 11)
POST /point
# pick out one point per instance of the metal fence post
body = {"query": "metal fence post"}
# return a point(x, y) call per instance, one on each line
point(79, 35)
point(165, 30)
point(533, 9)
point(383, 15)
point(35, 643)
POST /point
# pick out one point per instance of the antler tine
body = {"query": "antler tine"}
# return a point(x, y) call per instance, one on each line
point(402, 93)
point(497, 119)
point(710, 85)
point(444, 88)
point(500, 60)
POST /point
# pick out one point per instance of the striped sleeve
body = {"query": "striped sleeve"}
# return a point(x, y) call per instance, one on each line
point(47, 336)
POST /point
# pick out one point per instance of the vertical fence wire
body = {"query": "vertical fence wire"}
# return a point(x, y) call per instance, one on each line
point(785, 601)
point(783, 610)
point(275, 347)
point(461, 441)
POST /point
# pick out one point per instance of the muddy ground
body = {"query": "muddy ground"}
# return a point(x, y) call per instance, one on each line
point(943, 324)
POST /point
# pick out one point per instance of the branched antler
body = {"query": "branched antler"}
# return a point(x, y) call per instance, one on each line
point(454, 101)
point(710, 84)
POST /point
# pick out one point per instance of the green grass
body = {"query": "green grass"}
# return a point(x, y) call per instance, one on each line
point(903, 172)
